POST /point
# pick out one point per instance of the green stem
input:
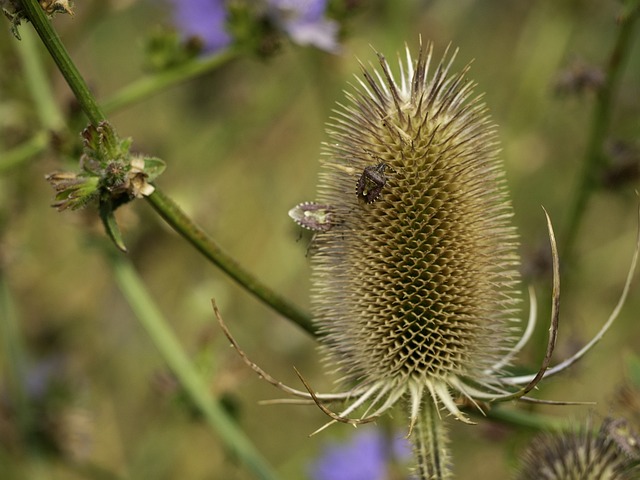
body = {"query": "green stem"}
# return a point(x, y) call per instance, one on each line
point(149, 86)
point(59, 53)
point(136, 92)
point(430, 442)
point(43, 98)
point(170, 349)
point(133, 93)
point(182, 224)
point(24, 152)
point(522, 419)
point(37, 81)
point(595, 159)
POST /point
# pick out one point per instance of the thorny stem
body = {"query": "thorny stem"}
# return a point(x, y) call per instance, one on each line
point(430, 444)
point(163, 205)
point(182, 224)
point(595, 159)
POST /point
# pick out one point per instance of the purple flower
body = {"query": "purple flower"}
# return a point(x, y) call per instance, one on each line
point(205, 19)
point(38, 378)
point(41, 375)
point(305, 23)
point(365, 457)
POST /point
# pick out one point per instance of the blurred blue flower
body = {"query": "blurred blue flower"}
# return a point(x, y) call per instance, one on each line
point(205, 19)
point(41, 375)
point(304, 21)
point(38, 379)
point(365, 457)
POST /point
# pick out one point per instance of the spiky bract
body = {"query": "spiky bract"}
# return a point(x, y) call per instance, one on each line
point(415, 291)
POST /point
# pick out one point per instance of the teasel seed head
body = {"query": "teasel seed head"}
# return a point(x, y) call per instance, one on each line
point(415, 288)
point(610, 453)
point(415, 267)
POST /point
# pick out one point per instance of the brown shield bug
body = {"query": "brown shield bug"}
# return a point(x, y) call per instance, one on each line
point(313, 216)
point(371, 182)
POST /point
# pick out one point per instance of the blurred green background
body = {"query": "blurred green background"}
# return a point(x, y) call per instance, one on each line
point(242, 147)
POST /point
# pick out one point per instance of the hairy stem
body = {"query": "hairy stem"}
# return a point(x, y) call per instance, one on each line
point(59, 53)
point(595, 159)
point(431, 444)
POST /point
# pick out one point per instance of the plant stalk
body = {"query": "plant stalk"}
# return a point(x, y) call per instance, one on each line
point(61, 57)
point(182, 224)
point(163, 338)
point(595, 160)
point(430, 441)
point(153, 84)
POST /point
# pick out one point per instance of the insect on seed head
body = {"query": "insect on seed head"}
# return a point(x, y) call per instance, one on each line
point(371, 182)
point(313, 216)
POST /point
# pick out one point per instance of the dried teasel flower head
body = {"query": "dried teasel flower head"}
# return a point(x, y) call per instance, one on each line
point(609, 453)
point(416, 290)
point(415, 267)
